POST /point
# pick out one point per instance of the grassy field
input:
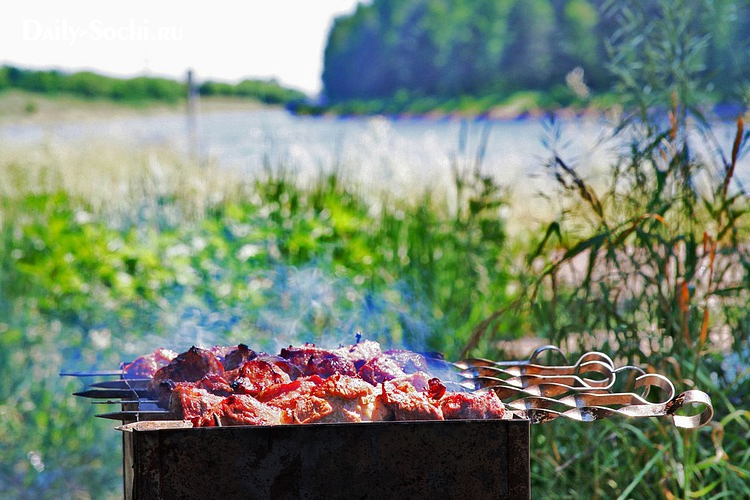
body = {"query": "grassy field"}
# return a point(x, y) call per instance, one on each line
point(109, 252)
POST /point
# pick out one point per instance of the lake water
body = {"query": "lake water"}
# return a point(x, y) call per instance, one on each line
point(395, 154)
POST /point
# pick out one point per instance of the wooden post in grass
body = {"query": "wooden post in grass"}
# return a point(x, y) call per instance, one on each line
point(192, 117)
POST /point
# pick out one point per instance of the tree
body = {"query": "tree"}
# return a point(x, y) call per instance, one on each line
point(527, 60)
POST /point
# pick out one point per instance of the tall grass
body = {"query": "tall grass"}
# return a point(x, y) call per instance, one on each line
point(651, 264)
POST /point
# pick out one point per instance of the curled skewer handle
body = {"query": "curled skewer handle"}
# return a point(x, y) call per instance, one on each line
point(692, 396)
point(482, 362)
point(583, 391)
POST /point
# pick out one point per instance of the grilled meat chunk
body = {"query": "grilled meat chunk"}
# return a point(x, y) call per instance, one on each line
point(213, 384)
point(255, 375)
point(351, 400)
point(237, 357)
point(146, 366)
point(188, 402)
point(296, 401)
point(476, 406)
point(379, 369)
point(406, 403)
point(190, 366)
point(312, 360)
point(239, 409)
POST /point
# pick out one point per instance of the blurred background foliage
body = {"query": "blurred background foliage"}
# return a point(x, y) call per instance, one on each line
point(139, 90)
point(435, 51)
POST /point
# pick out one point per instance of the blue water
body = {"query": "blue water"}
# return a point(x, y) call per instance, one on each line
point(390, 153)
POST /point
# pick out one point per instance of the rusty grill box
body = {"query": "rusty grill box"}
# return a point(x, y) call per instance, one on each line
point(458, 459)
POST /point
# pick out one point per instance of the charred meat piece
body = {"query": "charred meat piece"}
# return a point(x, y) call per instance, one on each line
point(313, 360)
point(406, 403)
point(190, 403)
point(476, 406)
point(239, 409)
point(146, 366)
point(435, 388)
point(190, 366)
point(255, 375)
point(236, 357)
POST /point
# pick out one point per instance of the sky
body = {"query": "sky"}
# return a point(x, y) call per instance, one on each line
point(221, 40)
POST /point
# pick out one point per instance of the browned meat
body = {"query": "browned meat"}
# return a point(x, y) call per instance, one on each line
point(212, 383)
point(190, 403)
point(296, 401)
point(236, 357)
point(392, 364)
point(435, 388)
point(477, 406)
point(255, 375)
point(379, 369)
point(236, 386)
point(351, 400)
point(283, 364)
point(146, 366)
point(281, 392)
point(239, 409)
point(313, 360)
point(190, 366)
point(407, 403)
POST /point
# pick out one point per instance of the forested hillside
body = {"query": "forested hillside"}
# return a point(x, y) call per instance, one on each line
point(142, 89)
point(445, 48)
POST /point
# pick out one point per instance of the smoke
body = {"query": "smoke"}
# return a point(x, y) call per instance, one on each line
point(307, 305)
point(289, 305)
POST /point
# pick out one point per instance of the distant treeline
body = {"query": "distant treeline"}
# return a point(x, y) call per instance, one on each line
point(445, 48)
point(139, 89)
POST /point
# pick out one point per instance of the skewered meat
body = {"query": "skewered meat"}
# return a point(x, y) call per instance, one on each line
point(308, 384)
point(190, 366)
point(380, 369)
point(476, 406)
point(296, 401)
point(351, 399)
point(190, 403)
point(255, 375)
point(236, 357)
point(312, 360)
point(283, 364)
point(213, 384)
point(239, 409)
point(406, 403)
point(146, 366)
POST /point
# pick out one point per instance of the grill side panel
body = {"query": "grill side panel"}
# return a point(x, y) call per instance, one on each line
point(470, 460)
